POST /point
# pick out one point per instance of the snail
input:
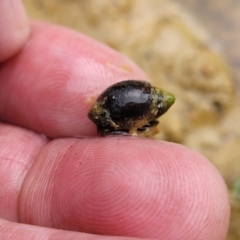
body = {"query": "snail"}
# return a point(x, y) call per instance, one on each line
point(129, 107)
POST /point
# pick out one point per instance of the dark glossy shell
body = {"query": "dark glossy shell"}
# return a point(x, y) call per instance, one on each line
point(127, 100)
point(128, 106)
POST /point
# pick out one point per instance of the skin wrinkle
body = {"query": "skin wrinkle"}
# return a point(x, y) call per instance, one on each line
point(54, 183)
point(15, 161)
point(25, 180)
point(92, 179)
point(68, 151)
point(55, 179)
point(92, 142)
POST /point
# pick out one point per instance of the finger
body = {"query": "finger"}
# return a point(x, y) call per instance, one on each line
point(114, 186)
point(17, 231)
point(18, 149)
point(14, 28)
point(51, 85)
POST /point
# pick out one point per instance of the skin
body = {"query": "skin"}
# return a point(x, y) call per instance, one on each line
point(49, 77)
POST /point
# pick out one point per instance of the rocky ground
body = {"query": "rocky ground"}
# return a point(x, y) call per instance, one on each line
point(191, 49)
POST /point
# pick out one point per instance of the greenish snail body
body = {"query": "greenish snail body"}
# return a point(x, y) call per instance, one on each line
point(129, 107)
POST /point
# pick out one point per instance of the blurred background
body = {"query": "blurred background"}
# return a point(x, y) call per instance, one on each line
point(190, 48)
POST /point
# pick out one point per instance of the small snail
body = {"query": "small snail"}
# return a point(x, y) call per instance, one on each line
point(129, 108)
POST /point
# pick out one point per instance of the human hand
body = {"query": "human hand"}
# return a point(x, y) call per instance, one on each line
point(120, 186)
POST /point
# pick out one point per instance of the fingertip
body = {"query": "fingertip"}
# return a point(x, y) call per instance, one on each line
point(185, 188)
point(188, 196)
point(127, 186)
point(14, 30)
point(56, 79)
